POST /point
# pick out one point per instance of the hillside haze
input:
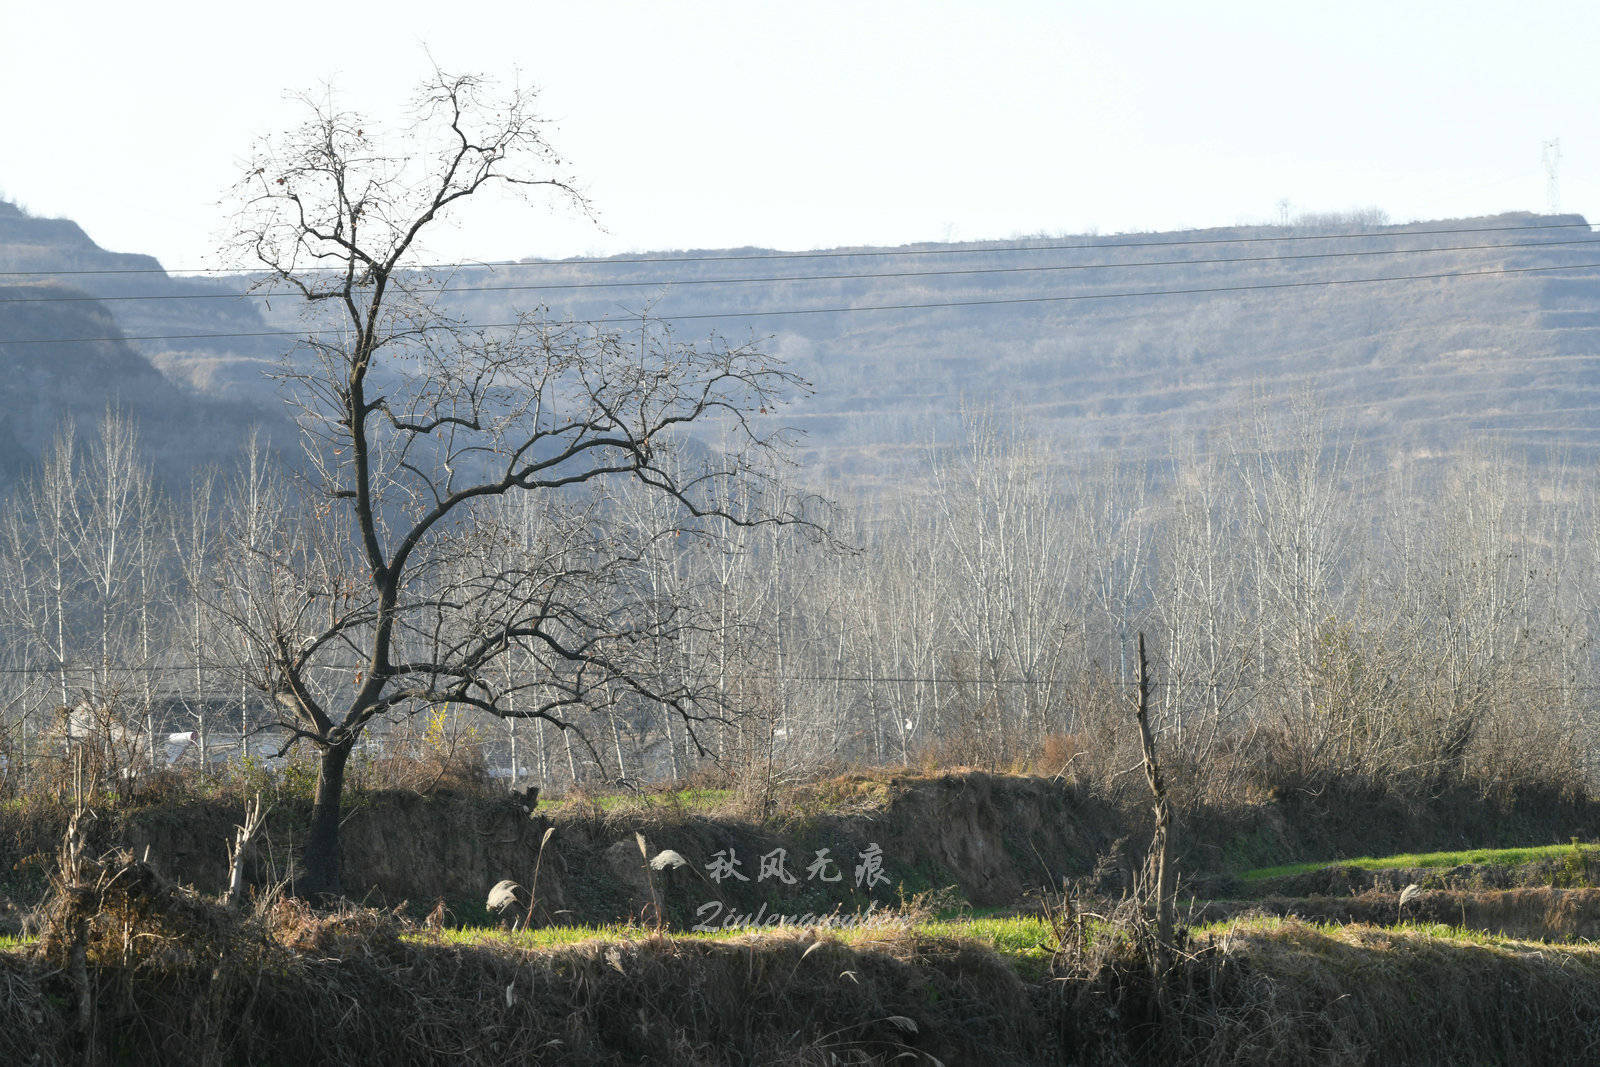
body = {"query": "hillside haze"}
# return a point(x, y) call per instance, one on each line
point(71, 350)
point(1424, 366)
point(1102, 344)
point(1055, 333)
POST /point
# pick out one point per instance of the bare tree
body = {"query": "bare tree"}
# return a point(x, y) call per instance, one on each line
point(84, 569)
point(192, 531)
point(1295, 506)
point(119, 555)
point(390, 590)
point(42, 535)
point(1200, 610)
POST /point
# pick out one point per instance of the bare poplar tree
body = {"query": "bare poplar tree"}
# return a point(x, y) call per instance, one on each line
point(119, 554)
point(43, 535)
point(1004, 529)
point(1200, 609)
point(1295, 507)
point(192, 532)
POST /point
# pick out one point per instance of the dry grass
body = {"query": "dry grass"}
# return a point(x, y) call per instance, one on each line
point(132, 967)
point(1361, 994)
point(171, 977)
point(1272, 991)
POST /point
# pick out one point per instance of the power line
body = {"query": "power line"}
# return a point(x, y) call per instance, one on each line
point(763, 279)
point(1104, 243)
point(991, 302)
point(854, 679)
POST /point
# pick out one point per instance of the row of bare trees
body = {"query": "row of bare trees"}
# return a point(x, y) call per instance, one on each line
point(1358, 618)
point(1345, 613)
point(107, 627)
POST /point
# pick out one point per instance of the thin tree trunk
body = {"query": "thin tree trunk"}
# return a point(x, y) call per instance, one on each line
point(672, 745)
point(1161, 845)
point(199, 694)
point(616, 741)
point(544, 756)
point(516, 771)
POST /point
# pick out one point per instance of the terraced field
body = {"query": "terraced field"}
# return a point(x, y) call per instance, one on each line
point(1057, 338)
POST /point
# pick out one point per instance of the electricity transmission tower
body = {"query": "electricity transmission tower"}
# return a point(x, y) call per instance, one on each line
point(1552, 174)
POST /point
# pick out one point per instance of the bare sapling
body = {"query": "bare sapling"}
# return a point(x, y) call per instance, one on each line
point(244, 840)
point(1161, 841)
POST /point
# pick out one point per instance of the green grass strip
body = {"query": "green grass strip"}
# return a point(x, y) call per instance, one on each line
point(1499, 857)
point(1027, 941)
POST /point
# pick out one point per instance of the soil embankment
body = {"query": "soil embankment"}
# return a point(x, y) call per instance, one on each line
point(992, 840)
point(1534, 913)
point(294, 988)
point(131, 966)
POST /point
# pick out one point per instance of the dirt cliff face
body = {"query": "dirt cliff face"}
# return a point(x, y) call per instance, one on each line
point(404, 846)
point(990, 840)
point(996, 837)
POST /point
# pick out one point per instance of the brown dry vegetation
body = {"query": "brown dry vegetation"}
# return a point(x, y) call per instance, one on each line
point(170, 978)
point(1287, 992)
point(167, 977)
point(130, 965)
point(995, 838)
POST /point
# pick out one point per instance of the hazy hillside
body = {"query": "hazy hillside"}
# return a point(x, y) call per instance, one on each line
point(215, 365)
point(1427, 362)
point(1049, 333)
point(63, 354)
point(1046, 330)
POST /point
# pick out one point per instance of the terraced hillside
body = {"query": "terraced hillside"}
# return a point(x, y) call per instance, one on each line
point(1125, 343)
point(70, 316)
point(1103, 343)
point(1422, 364)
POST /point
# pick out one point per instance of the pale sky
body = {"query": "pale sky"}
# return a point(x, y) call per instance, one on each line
point(804, 125)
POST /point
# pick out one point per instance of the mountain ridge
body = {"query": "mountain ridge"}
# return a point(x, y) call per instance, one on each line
point(66, 355)
point(1119, 344)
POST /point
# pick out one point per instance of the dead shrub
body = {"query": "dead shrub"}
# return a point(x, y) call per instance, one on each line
point(1056, 756)
point(293, 924)
point(447, 753)
point(98, 746)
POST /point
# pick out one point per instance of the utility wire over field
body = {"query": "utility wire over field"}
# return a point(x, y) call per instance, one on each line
point(1110, 243)
point(856, 276)
point(847, 309)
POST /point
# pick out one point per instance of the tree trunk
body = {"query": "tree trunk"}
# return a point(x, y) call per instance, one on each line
point(1160, 859)
point(323, 860)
